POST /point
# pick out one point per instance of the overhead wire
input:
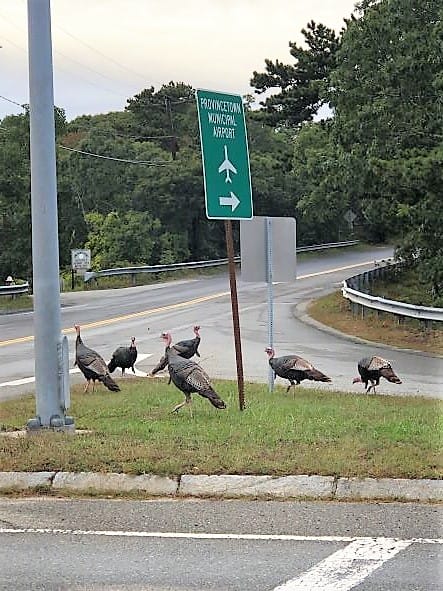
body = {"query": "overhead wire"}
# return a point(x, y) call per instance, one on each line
point(11, 101)
point(61, 68)
point(103, 55)
point(94, 155)
point(127, 161)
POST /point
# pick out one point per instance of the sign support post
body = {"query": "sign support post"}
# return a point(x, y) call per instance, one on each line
point(268, 226)
point(227, 181)
point(235, 315)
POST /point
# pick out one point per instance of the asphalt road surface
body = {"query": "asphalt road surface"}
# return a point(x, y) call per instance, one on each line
point(184, 545)
point(109, 318)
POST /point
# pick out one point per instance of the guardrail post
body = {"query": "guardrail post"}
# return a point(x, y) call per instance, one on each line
point(402, 311)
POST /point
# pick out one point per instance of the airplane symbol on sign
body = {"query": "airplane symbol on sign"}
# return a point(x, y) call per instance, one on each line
point(227, 166)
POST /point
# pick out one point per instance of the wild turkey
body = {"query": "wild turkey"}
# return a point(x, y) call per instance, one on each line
point(371, 369)
point(92, 365)
point(189, 377)
point(294, 369)
point(124, 357)
point(186, 349)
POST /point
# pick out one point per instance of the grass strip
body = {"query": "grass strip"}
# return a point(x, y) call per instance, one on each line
point(311, 432)
point(15, 303)
point(334, 310)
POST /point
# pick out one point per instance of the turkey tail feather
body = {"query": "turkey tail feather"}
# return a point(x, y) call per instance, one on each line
point(112, 365)
point(390, 375)
point(317, 376)
point(213, 398)
point(110, 384)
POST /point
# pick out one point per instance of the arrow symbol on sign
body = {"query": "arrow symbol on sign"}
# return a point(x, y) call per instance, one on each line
point(233, 201)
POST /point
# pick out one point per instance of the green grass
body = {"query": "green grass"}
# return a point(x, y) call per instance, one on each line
point(313, 432)
point(334, 310)
point(15, 303)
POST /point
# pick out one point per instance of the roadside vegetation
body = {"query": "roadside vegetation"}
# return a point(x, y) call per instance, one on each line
point(311, 432)
point(15, 303)
point(334, 310)
point(371, 170)
point(406, 285)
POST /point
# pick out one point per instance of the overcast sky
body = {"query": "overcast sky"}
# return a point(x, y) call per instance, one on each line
point(106, 51)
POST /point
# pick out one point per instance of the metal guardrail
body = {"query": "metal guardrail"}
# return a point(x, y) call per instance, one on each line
point(196, 264)
point(14, 289)
point(401, 309)
point(154, 268)
point(327, 245)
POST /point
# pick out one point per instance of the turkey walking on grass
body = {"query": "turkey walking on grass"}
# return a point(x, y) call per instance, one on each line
point(124, 357)
point(189, 377)
point(92, 365)
point(371, 369)
point(294, 368)
point(186, 349)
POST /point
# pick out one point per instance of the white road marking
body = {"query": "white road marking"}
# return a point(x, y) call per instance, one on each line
point(348, 567)
point(179, 305)
point(213, 536)
point(335, 270)
point(340, 571)
point(31, 380)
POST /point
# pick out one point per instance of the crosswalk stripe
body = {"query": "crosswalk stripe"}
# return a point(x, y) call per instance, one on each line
point(31, 379)
point(347, 567)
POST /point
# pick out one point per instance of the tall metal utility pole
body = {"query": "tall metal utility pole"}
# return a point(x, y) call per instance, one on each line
point(50, 348)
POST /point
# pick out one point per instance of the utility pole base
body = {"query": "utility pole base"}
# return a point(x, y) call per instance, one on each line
point(56, 423)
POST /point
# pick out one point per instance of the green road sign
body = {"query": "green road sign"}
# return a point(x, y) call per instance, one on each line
point(225, 155)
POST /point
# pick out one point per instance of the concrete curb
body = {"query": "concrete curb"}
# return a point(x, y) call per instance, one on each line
point(227, 486)
point(300, 312)
point(121, 483)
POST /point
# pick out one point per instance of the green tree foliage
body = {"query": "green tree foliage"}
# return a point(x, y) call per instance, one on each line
point(300, 85)
point(270, 163)
point(121, 239)
point(167, 116)
point(387, 95)
point(322, 203)
point(15, 188)
point(130, 183)
point(15, 203)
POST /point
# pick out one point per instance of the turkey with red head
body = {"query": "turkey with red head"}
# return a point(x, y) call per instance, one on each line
point(92, 365)
point(371, 369)
point(189, 377)
point(294, 368)
point(187, 349)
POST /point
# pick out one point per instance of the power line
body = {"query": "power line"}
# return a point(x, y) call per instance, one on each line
point(61, 68)
point(145, 162)
point(11, 101)
point(104, 55)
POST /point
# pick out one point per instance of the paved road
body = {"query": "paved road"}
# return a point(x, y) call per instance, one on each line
point(183, 545)
point(110, 317)
point(218, 545)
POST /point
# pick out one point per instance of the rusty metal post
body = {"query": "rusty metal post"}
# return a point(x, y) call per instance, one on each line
point(235, 316)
